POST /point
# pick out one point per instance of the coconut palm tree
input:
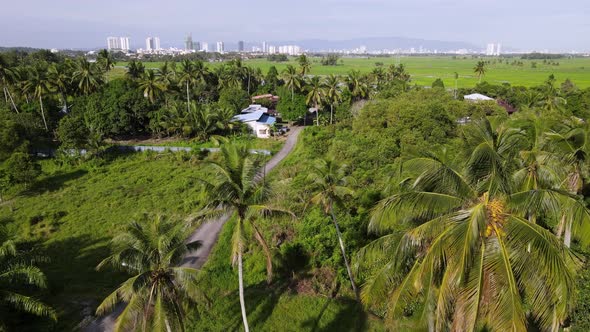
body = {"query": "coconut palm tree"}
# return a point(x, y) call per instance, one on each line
point(59, 79)
point(331, 185)
point(292, 79)
point(356, 85)
point(456, 76)
point(315, 95)
point(151, 251)
point(18, 272)
point(151, 85)
point(570, 146)
point(190, 74)
point(106, 60)
point(467, 253)
point(7, 78)
point(87, 76)
point(238, 189)
point(333, 94)
point(38, 84)
point(480, 69)
point(135, 69)
point(304, 64)
point(205, 121)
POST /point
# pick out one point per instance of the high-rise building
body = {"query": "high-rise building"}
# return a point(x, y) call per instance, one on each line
point(264, 47)
point(498, 49)
point(204, 47)
point(197, 46)
point(241, 46)
point(157, 43)
point(125, 43)
point(149, 44)
point(272, 49)
point(118, 43)
point(188, 42)
point(219, 47)
point(490, 49)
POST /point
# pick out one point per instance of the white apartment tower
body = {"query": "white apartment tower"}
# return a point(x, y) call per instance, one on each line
point(204, 47)
point(118, 43)
point(490, 49)
point(152, 44)
point(264, 47)
point(149, 44)
point(494, 49)
point(220, 47)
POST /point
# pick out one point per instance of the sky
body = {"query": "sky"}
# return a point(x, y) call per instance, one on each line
point(521, 24)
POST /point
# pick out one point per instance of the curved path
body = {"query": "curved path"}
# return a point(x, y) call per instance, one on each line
point(207, 234)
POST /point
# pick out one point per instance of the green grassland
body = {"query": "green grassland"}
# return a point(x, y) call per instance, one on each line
point(425, 69)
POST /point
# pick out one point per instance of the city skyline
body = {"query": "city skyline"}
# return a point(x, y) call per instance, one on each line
point(526, 24)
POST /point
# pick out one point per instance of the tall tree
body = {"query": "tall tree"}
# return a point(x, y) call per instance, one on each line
point(480, 69)
point(152, 251)
point(292, 79)
point(238, 189)
point(106, 60)
point(571, 148)
point(333, 94)
point(304, 64)
point(7, 78)
point(38, 84)
point(17, 272)
point(151, 85)
point(331, 185)
point(473, 260)
point(59, 78)
point(87, 76)
point(135, 69)
point(315, 95)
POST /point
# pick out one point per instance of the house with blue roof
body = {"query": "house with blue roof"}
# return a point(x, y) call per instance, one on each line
point(257, 118)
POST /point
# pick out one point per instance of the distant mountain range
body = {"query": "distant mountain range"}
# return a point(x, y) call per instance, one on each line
point(379, 43)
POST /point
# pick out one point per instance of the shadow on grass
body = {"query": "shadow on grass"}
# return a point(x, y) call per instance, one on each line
point(351, 317)
point(53, 183)
point(74, 286)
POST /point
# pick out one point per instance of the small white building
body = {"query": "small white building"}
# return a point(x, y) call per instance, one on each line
point(258, 120)
point(477, 97)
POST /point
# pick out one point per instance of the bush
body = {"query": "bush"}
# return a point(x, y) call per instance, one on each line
point(21, 169)
point(72, 132)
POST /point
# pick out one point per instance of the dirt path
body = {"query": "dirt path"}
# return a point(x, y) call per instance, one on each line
point(206, 233)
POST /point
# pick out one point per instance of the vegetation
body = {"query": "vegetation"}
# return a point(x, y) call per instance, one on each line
point(449, 215)
point(158, 291)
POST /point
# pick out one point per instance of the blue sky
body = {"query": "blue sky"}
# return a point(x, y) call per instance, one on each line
point(523, 24)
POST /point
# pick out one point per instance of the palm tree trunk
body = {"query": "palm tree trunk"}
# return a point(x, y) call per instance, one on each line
point(341, 242)
point(188, 100)
point(567, 236)
point(11, 100)
point(43, 113)
point(65, 98)
point(241, 290)
point(5, 95)
point(317, 115)
point(331, 114)
point(292, 92)
point(560, 227)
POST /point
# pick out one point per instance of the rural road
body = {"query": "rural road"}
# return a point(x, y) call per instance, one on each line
point(206, 233)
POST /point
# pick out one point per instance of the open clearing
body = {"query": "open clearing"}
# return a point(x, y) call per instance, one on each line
point(425, 69)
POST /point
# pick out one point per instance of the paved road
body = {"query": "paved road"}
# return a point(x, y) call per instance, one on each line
point(207, 234)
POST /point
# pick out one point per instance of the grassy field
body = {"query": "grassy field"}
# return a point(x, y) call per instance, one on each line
point(424, 70)
point(73, 212)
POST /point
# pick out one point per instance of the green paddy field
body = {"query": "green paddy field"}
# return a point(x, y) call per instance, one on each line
point(426, 69)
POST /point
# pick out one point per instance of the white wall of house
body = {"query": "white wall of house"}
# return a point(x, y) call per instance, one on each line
point(261, 130)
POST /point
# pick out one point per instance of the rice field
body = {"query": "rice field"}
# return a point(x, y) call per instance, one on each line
point(425, 69)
